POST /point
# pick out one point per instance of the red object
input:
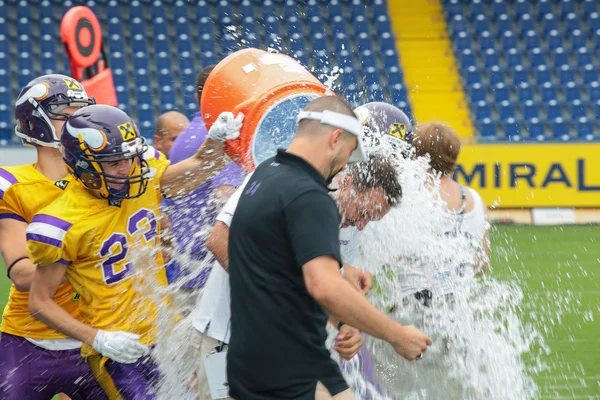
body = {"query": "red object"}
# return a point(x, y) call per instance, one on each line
point(252, 81)
point(81, 33)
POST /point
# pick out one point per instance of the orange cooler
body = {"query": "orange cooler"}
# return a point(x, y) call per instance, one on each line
point(270, 89)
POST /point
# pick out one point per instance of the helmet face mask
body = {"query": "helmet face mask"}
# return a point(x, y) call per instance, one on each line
point(97, 138)
point(41, 102)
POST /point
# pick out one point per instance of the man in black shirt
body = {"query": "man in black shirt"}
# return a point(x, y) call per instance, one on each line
point(284, 260)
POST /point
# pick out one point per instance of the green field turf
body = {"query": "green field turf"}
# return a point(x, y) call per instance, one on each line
point(559, 271)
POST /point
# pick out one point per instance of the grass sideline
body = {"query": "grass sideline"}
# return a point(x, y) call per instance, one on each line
point(559, 271)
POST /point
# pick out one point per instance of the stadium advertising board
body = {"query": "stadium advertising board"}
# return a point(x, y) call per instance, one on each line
point(533, 175)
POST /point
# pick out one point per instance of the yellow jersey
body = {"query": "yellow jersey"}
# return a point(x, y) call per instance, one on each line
point(93, 237)
point(23, 192)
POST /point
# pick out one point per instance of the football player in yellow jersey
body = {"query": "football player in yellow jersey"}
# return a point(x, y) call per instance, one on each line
point(87, 234)
point(37, 362)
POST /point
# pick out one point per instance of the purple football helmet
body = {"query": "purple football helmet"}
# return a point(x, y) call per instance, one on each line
point(98, 135)
point(384, 121)
point(41, 101)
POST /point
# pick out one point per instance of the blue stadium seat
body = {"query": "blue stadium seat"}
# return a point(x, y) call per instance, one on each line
point(399, 94)
point(477, 8)
point(395, 76)
point(338, 24)
point(589, 6)
point(593, 90)
point(506, 110)
point(553, 109)
point(473, 75)
point(530, 111)
point(501, 93)
point(537, 57)
point(390, 59)
point(526, 23)
point(524, 92)
point(548, 92)
point(521, 7)
point(509, 40)
point(367, 59)
point(335, 8)
point(577, 109)
point(488, 130)
point(560, 129)
point(590, 73)
point(482, 110)
point(577, 39)
point(567, 7)
point(585, 130)
point(344, 59)
point(268, 9)
point(542, 75)
point(555, 39)
point(532, 40)
point(463, 41)
point(477, 92)
point(319, 42)
point(379, 8)
point(486, 41)
point(513, 57)
point(453, 7)
point(481, 24)
point(566, 74)
point(572, 22)
point(360, 24)
point(572, 91)
point(458, 24)
point(382, 24)
point(467, 58)
point(363, 42)
point(593, 21)
point(387, 41)
point(549, 22)
point(499, 7)
point(536, 130)
point(496, 75)
point(291, 8)
point(583, 56)
point(357, 9)
point(519, 74)
point(512, 131)
point(503, 23)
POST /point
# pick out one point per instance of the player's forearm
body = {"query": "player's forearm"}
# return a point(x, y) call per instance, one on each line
point(187, 175)
point(50, 313)
point(344, 303)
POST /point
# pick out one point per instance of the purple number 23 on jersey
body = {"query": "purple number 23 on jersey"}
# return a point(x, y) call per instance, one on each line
point(119, 240)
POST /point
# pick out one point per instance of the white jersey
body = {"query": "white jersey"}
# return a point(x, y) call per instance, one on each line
point(464, 234)
point(349, 241)
point(213, 311)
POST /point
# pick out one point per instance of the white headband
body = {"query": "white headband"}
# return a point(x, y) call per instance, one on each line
point(345, 122)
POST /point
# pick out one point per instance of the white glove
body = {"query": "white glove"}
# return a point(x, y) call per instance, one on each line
point(122, 347)
point(226, 127)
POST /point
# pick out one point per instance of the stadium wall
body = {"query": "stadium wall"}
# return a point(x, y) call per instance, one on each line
point(533, 175)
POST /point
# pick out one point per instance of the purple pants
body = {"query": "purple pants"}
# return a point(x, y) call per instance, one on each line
point(28, 372)
point(137, 381)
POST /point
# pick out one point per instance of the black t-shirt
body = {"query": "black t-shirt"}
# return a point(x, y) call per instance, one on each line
point(285, 218)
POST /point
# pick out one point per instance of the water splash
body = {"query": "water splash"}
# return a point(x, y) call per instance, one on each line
point(479, 339)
